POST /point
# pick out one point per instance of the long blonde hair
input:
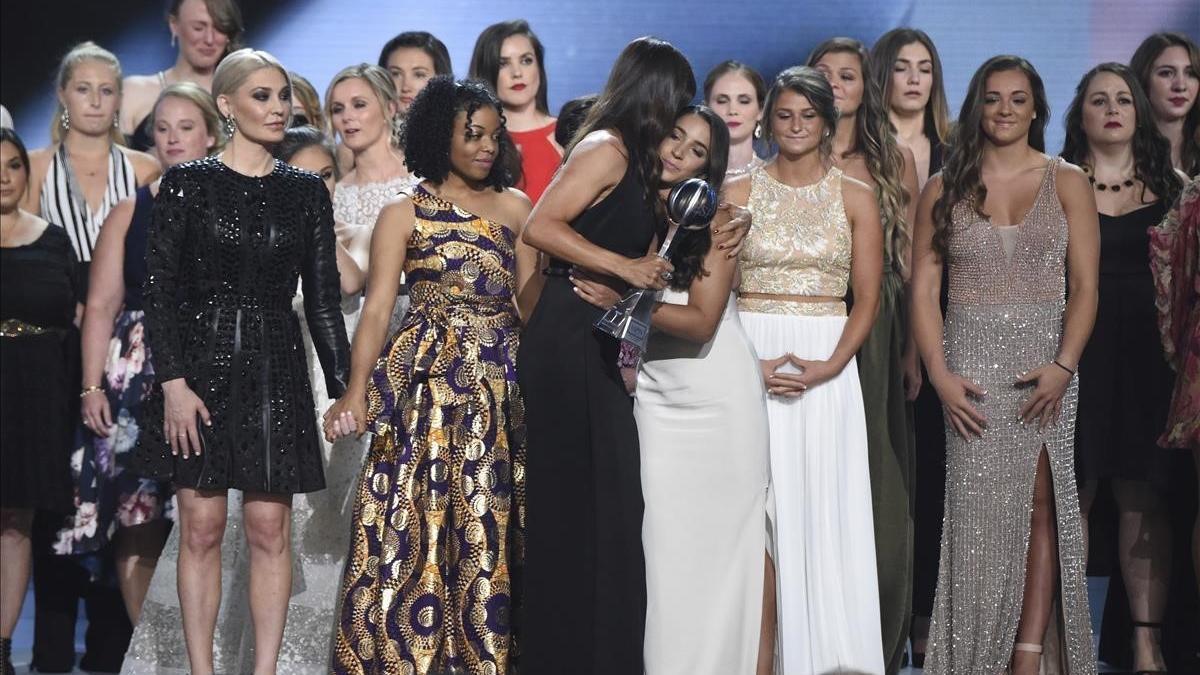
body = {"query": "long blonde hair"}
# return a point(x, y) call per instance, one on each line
point(380, 82)
point(873, 138)
point(196, 95)
point(84, 51)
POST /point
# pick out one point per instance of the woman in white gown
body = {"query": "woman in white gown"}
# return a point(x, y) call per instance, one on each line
point(702, 425)
point(815, 233)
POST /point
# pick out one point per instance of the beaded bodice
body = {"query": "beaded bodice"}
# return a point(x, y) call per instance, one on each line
point(361, 204)
point(800, 243)
point(982, 273)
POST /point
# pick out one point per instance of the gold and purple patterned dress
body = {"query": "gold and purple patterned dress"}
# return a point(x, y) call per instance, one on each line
point(428, 585)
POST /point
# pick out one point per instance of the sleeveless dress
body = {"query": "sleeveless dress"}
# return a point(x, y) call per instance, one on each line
point(1126, 387)
point(890, 452)
point(1004, 318)
point(823, 533)
point(142, 136)
point(702, 424)
point(435, 537)
point(540, 159)
point(39, 286)
point(585, 589)
point(109, 495)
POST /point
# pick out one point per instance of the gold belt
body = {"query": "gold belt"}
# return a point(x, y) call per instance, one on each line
point(18, 328)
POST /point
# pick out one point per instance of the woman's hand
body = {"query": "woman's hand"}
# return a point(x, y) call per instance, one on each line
point(1045, 402)
point(649, 271)
point(347, 415)
point(912, 373)
point(596, 289)
point(813, 373)
point(787, 385)
point(181, 409)
point(731, 235)
point(96, 413)
point(956, 393)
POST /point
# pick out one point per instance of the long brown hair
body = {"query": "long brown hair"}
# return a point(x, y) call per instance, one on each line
point(884, 54)
point(1142, 63)
point(961, 178)
point(1151, 150)
point(876, 142)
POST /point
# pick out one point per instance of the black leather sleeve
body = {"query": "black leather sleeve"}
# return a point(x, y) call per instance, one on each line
point(164, 252)
point(322, 294)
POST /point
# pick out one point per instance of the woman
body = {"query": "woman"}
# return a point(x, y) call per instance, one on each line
point(509, 57)
point(865, 148)
point(699, 397)
point(318, 534)
point(1168, 67)
point(39, 294)
point(915, 96)
point(306, 104)
point(364, 110)
point(816, 233)
point(736, 91)
point(1175, 261)
point(1014, 228)
point(1129, 167)
point(585, 590)
point(412, 59)
point(231, 235)
point(113, 504)
point(206, 30)
point(437, 517)
point(84, 172)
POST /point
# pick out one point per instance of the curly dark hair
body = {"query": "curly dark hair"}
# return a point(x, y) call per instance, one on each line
point(1151, 150)
point(691, 246)
point(429, 128)
point(961, 180)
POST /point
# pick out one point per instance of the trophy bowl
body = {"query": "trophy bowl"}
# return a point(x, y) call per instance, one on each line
point(692, 204)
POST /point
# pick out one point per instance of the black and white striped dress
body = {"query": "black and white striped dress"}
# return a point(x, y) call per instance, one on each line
point(64, 204)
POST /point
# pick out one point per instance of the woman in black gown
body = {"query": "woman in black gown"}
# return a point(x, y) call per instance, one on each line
point(1125, 384)
point(233, 408)
point(585, 587)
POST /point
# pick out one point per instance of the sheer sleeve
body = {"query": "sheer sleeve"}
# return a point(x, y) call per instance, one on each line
point(164, 252)
point(322, 295)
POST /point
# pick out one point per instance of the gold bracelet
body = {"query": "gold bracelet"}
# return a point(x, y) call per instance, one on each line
point(89, 390)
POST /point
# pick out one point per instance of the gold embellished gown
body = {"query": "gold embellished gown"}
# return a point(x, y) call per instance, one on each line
point(428, 585)
point(1004, 318)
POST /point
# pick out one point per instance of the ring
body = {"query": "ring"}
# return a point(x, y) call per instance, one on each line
point(666, 276)
point(182, 434)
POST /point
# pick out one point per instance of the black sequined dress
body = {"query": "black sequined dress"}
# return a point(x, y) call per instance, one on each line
point(223, 256)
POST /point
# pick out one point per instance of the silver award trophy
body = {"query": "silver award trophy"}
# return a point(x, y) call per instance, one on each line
point(690, 205)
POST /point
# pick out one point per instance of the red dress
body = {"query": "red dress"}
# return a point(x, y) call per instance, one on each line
point(1175, 261)
point(540, 158)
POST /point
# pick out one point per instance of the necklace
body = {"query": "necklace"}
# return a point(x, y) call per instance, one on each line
point(1102, 187)
point(752, 165)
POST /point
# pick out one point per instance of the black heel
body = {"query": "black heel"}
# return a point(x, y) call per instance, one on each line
point(6, 666)
point(1151, 625)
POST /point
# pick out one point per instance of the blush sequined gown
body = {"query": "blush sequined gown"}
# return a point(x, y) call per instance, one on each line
point(1005, 317)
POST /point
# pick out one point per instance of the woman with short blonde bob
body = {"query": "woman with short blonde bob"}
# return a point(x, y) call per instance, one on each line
point(231, 236)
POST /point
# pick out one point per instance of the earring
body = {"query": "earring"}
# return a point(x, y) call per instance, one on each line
point(116, 121)
point(758, 130)
point(230, 125)
point(174, 38)
point(65, 120)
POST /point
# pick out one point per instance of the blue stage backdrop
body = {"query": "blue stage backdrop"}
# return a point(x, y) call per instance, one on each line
point(316, 38)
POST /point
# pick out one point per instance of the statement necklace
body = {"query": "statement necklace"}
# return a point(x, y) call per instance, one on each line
point(1103, 187)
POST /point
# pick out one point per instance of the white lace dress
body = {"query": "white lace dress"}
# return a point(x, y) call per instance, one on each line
point(320, 520)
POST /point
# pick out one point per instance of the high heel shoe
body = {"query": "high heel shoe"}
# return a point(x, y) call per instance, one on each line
point(1152, 625)
point(6, 666)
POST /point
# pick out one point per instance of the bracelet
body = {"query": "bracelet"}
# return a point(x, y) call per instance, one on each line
point(1055, 362)
point(89, 390)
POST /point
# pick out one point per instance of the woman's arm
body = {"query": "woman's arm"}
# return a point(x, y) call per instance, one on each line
point(389, 247)
point(866, 275)
point(708, 295)
point(106, 291)
point(594, 168)
point(528, 282)
point(353, 278)
point(322, 294)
